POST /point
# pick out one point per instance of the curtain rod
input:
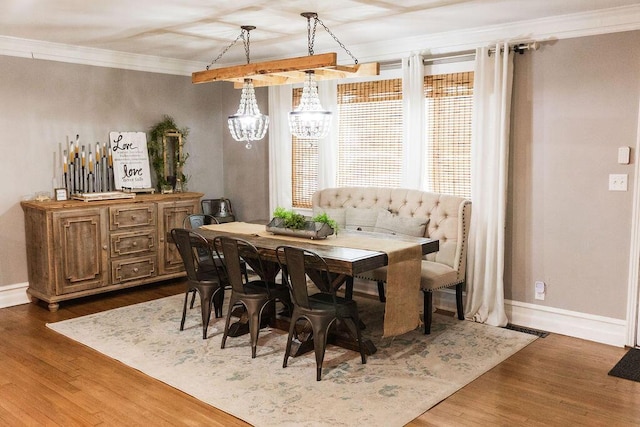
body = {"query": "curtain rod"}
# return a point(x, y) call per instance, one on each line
point(463, 55)
point(447, 57)
point(519, 47)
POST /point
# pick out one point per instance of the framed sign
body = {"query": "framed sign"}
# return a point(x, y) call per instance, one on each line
point(130, 160)
point(61, 194)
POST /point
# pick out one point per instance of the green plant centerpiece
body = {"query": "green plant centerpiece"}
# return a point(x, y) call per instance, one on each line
point(166, 154)
point(289, 222)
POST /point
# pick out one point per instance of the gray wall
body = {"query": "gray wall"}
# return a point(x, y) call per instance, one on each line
point(575, 103)
point(44, 102)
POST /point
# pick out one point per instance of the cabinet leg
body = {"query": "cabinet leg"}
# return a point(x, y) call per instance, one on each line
point(53, 307)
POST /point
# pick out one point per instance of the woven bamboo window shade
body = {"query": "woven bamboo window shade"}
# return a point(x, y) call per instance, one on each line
point(449, 99)
point(370, 136)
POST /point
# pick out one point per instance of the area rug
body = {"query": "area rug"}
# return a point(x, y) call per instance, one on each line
point(629, 366)
point(406, 376)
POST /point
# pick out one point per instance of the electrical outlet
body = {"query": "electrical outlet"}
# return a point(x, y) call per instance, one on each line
point(540, 290)
point(618, 182)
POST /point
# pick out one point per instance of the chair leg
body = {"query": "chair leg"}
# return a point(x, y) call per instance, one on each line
point(193, 298)
point(205, 305)
point(428, 311)
point(184, 309)
point(218, 301)
point(319, 345)
point(292, 328)
point(356, 321)
point(254, 331)
point(381, 294)
point(232, 303)
point(459, 306)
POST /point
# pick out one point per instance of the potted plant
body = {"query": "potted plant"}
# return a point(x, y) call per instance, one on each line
point(289, 222)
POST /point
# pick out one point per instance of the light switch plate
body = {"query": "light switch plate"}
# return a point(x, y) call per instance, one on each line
point(624, 155)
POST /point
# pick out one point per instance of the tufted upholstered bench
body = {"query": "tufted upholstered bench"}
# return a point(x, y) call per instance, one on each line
point(410, 212)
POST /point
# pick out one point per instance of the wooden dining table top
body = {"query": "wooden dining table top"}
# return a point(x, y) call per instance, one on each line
point(340, 259)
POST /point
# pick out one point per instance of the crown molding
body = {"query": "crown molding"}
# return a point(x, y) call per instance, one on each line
point(625, 18)
point(34, 49)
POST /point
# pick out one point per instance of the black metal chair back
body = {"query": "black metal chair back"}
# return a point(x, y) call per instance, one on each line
point(201, 277)
point(195, 221)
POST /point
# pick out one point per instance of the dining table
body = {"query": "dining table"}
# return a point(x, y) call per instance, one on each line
point(347, 254)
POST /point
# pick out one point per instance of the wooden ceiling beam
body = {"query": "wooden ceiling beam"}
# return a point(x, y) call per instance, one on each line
point(286, 71)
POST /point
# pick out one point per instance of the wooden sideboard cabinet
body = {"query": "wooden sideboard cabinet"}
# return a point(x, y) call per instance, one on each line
point(77, 248)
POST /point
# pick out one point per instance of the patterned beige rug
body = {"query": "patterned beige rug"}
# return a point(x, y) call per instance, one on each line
point(407, 376)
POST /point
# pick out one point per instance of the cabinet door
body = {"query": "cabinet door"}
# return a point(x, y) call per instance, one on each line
point(170, 216)
point(80, 238)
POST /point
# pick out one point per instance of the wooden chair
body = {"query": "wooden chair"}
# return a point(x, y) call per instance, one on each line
point(207, 282)
point(321, 310)
point(254, 295)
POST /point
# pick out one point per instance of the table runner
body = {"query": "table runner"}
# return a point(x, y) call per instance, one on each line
point(402, 313)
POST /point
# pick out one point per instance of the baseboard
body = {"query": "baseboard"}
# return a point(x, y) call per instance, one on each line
point(11, 295)
point(600, 329)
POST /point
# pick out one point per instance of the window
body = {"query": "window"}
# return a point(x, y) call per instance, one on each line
point(370, 134)
point(370, 137)
point(449, 103)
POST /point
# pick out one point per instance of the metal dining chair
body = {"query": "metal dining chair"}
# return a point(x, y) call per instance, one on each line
point(254, 295)
point(322, 309)
point(207, 282)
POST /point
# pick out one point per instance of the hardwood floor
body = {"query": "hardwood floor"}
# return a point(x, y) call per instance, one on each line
point(46, 379)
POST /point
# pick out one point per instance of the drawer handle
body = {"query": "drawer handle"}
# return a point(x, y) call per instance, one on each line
point(134, 244)
point(105, 247)
point(133, 217)
point(135, 270)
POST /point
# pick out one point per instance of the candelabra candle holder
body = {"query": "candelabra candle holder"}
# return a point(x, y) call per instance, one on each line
point(81, 172)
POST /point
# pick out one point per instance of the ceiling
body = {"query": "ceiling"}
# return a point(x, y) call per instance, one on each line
point(199, 30)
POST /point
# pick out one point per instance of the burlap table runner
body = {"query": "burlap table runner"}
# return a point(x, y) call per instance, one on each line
point(402, 313)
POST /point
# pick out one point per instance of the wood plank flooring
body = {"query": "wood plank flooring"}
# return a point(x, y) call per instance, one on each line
point(47, 379)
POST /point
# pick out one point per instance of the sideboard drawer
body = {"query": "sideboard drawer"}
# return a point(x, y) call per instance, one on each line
point(133, 269)
point(135, 242)
point(132, 216)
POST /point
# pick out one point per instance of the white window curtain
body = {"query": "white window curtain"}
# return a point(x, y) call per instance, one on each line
point(489, 168)
point(280, 99)
point(328, 147)
point(413, 132)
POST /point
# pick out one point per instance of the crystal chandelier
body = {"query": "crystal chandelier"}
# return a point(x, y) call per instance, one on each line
point(309, 120)
point(248, 124)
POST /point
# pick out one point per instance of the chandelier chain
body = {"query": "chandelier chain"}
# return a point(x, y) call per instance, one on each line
point(246, 42)
point(240, 36)
point(355, 60)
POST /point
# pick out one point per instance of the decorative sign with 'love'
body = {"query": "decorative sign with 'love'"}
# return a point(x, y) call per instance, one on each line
point(130, 159)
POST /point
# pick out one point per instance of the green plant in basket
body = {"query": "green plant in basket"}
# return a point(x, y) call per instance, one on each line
point(290, 218)
point(326, 219)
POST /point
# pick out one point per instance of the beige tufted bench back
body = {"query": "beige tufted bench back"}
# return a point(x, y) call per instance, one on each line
point(448, 216)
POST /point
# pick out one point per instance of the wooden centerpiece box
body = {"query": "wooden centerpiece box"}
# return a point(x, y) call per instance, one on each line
point(77, 248)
